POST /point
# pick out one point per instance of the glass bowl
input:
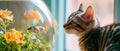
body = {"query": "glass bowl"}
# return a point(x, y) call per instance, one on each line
point(32, 20)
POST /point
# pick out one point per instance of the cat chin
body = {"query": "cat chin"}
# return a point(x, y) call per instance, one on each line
point(76, 34)
point(70, 31)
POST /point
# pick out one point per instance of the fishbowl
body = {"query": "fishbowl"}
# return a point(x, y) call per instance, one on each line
point(26, 25)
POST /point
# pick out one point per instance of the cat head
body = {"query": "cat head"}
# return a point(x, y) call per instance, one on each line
point(80, 21)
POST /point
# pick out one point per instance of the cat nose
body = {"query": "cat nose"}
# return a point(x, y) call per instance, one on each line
point(64, 25)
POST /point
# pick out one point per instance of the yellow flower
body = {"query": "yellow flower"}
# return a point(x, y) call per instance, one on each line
point(14, 35)
point(20, 39)
point(9, 37)
point(32, 14)
point(7, 14)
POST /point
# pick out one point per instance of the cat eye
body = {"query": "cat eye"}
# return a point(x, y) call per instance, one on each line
point(73, 23)
point(69, 24)
point(77, 25)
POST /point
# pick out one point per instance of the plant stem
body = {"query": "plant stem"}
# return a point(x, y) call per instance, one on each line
point(19, 48)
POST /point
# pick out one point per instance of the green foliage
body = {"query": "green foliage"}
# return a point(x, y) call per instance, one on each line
point(35, 42)
point(32, 43)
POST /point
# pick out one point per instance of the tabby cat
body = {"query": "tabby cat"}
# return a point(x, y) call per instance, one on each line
point(92, 38)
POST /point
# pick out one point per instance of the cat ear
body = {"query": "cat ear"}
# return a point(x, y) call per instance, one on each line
point(88, 15)
point(80, 7)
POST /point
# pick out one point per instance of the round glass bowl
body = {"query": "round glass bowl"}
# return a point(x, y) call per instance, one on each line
point(32, 20)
